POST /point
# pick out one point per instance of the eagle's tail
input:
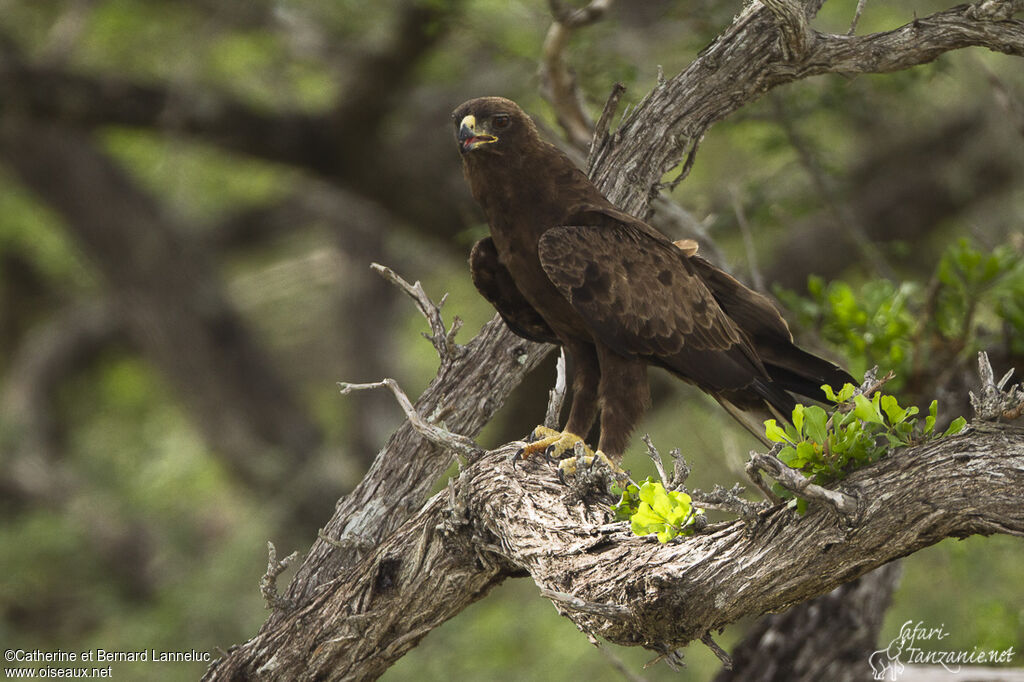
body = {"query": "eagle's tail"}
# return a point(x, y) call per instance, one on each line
point(797, 371)
point(791, 371)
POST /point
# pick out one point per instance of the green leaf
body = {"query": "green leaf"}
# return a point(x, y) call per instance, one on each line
point(806, 452)
point(866, 410)
point(774, 432)
point(661, 511)
point(955, 427)
point(787, 456)
point(892, 409)
point(798, 417)
point(929, 421)
point(816, 418)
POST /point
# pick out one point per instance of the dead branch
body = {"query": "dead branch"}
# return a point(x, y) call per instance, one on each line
point(558, 84)
point(995, 401)
point(268, 583)
point(444, 438)
point(604, 122)
point(746, 60)
point(464, 395)
point(442, 339)
point(361, 608)
point(556, 396)
point(798, 484)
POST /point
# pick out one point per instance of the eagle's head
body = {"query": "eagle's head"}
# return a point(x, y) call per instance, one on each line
point(491, 125)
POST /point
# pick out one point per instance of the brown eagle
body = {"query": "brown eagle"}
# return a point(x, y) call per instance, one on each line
point(563, 265)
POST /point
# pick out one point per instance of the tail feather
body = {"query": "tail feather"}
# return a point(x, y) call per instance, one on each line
point(796, 370)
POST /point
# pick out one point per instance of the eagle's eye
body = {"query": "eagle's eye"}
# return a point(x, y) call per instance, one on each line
point(501, 121)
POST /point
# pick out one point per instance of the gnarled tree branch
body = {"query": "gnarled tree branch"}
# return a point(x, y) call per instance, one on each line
point(389, 575)
point(626, 589)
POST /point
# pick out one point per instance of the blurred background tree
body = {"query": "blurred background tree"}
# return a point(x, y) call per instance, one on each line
point(191, 195)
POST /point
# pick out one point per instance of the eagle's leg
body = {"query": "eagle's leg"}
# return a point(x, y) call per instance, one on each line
point(586, 378)
point(625, 396)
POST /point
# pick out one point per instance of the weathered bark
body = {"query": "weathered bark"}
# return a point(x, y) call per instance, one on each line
point(496, 521)
point(751, 57)
point(467, 392)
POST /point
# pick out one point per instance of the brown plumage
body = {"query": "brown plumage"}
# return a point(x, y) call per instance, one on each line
point(564, 265)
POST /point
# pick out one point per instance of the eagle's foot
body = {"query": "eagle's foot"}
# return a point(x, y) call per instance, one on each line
point(570, 465)
point(552, 444)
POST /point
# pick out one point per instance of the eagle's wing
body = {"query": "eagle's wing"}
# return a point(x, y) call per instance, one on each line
point(789, 366)
point(495, 283)
point(640, 296)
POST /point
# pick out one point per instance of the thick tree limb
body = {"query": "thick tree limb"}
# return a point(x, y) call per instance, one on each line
point(630, 590)
point(463, 397)
point(748, 59)
point(792, 645)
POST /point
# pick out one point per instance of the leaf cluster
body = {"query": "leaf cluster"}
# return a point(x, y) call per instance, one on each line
point(650, 508)
point(826, 446)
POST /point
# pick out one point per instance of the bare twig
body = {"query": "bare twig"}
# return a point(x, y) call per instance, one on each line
point(717, 650)
point(653, 453)
point(748, 240)
point(796, 483)
point(268, 583)
point(455, 442)
point(442, 339)
point(680, 469)
point(692, 143)
point(604, 122)
point(673, 659)
point(995, 402)
point(558, 84)
point(730, 501)
point(556, 396)
point(861, 4)
point(612, 611)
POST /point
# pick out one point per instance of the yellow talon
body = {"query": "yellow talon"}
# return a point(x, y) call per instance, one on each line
point(569, 449)
point(568, 466)
point(553, 444)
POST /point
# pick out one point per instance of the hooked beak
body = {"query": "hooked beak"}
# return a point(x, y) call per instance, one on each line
point(470, 137)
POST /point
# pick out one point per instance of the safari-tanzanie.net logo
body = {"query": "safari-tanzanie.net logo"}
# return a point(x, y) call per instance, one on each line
point(918, 644)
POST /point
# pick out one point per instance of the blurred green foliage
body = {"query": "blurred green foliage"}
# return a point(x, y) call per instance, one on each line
point(159, 547)
point(973, 301)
